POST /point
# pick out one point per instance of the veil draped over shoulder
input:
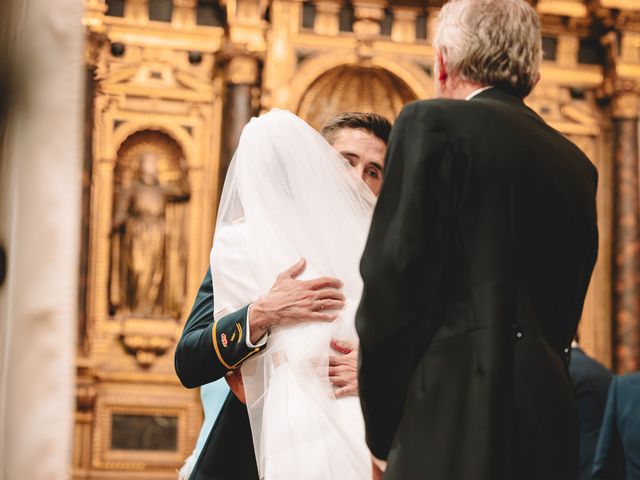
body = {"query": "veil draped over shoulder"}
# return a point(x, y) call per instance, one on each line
point(288, 194)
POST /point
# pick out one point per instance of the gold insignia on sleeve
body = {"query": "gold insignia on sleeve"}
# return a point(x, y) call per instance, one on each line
point(239, 330)
point(222, 338)
point(217, 348)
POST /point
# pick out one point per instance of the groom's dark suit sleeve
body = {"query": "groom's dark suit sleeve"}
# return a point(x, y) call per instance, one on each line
point(208, 350)
point(402, 266)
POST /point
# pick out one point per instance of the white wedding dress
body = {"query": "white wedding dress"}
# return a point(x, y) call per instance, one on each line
point(288, 194)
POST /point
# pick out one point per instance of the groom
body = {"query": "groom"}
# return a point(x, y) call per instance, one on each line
point(476, 268)
point(209, 350)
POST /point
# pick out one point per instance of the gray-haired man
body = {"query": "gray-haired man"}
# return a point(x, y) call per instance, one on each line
point(478, 261)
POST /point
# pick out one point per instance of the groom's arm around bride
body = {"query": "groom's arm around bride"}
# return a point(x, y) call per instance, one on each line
point(208, 350)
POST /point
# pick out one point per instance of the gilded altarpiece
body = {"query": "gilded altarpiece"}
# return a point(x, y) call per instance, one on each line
point(177, 93)
point(153, 191)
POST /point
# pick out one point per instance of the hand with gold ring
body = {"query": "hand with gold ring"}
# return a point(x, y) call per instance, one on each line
point(291, 301)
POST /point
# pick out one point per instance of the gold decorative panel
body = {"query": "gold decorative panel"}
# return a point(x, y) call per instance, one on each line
point(149, 430)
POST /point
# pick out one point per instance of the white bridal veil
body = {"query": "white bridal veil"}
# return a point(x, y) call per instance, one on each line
point(288, 194)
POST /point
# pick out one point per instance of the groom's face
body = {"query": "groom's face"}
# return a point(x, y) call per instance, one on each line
point(365, 152)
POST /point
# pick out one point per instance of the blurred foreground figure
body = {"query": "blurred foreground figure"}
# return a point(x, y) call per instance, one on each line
point(41, 85)
point(476, 268)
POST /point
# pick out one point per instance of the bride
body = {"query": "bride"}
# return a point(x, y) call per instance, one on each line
point(288, 194)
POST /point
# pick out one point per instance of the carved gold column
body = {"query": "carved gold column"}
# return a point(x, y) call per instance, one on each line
point(368, 17)
point(432, 24)
point(184, 13)
point(626, 254)
point(246, 43)
point(327, 20)
point(404, 24)
point(242, 77)
point(137, 10)
point(280, 57)
point(94, 11)
point(567, 52)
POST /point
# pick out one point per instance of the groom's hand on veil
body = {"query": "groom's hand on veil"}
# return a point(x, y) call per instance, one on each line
point(292, 301)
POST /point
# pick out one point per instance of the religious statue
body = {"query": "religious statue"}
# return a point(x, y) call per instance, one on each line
point(140, 237)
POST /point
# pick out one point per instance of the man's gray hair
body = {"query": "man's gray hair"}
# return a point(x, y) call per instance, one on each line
point(491, 42)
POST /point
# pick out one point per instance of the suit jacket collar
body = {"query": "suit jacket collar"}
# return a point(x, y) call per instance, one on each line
point(496, 93)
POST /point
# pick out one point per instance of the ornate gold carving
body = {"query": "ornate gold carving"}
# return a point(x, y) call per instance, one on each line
point(94, 11)
point(95, 51)
point(627, 104)
point(368, 15)
point(630, 47)
point(566, 8)
point(631, 71)
point(432, 25)
point(567, 53)
point(350, 88)
point(149, 237)
point(147, 348)
point(570, 117)
point(137, 10)
point(404, 24)
point(327, 21)
point(150, 401)
point(246, 24)
point(419, 83)
point(85, 397)
point(280, 62)
point(155, 86)
point(586, 76)
point(242, 70)
point(631, 5)
point(184, 13)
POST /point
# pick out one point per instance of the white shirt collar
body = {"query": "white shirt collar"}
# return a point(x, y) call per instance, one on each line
point(477, 92)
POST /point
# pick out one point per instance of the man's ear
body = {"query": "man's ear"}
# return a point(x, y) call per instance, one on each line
point(536, 79)
point(441, 69)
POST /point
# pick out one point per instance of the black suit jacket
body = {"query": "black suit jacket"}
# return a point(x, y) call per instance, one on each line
point(206, 351)
point(618, 451)
point(477, 264)
point(591, 386)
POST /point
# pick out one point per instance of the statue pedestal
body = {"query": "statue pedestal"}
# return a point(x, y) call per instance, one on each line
point(149, 338)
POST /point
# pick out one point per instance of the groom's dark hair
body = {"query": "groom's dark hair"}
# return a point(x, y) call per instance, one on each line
point(375, 124)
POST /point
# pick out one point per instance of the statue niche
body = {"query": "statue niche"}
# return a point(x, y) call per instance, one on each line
point(148, 247)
